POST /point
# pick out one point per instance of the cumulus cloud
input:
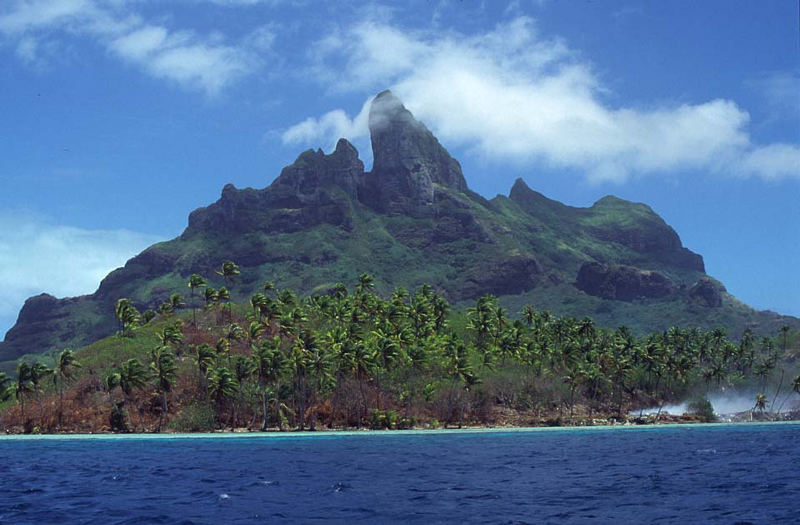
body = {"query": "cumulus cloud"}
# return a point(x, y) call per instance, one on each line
point(38, 256)
point(192, 61)
point(513, 95)
point(329, 127)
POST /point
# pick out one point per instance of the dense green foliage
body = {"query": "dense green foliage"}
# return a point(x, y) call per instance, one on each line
point(354, 358)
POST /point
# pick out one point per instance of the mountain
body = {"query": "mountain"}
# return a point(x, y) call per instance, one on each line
point(412, 220)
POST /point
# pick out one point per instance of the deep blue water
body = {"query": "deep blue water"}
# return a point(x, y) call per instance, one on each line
point(725, 474)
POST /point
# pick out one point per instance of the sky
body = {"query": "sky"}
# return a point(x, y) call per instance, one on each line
point(119, 117)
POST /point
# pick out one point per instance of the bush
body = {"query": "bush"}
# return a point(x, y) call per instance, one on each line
point(703, 409)
point(195, 418)
point(384, 419)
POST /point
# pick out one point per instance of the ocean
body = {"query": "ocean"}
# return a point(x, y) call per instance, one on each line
point(742, 473)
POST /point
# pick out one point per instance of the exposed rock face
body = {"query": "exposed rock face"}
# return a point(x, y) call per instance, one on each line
point(707, 292)
point(623, 283)
point(315, 189)
point(501, 277)
point(408, 159)
point(43, 321)
point(312, 178)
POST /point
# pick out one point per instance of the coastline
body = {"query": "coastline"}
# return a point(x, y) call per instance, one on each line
point(270, 435)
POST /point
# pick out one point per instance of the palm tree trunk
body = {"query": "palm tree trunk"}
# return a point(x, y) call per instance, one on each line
point(363, 398)
point(264, 405)
point(461, 410)
point(780, 385)
point(60, 402)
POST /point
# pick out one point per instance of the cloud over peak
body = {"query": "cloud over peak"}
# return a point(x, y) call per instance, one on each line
point(510, 94)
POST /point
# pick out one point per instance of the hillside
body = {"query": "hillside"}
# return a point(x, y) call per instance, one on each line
point(412, 220)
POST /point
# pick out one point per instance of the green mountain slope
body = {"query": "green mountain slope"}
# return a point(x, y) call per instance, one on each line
point(412, 220)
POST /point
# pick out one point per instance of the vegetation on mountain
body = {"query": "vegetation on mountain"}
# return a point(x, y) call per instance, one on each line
point(354, 358)
point(410, 221)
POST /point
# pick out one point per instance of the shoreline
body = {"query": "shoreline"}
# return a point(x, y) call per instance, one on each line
point(366, 432)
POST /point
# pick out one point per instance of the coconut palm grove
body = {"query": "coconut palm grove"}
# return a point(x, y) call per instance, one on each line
point(351, 358)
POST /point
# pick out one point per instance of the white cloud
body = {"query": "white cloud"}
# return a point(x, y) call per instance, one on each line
point(192, 61)
point(329, 127)
point(181, 58)
point(513, 95)
point(37, 256)
point(774, 161)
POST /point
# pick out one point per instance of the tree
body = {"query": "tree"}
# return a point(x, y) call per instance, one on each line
point(365, 283)
point(23, 385)
point(459, 370)
point(269, 364)
point(176, 301)
point(210, 296)
point(39, 372)
point(163, 366)
point(795, 390)
point(171, 335)
point(761, 403)
point(205, 355)
point(229, 271)
point(195, 281)
point(127, 315)
point(224, 295)
point(130, 376)
point(5, 387)
point(222, 385)
point(64, 371)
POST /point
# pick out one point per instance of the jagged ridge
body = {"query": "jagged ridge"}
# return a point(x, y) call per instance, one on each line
point(411, 220)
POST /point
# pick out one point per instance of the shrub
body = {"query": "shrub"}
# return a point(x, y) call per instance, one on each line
point(384, 419)
point(195, 418)
point(703, 409)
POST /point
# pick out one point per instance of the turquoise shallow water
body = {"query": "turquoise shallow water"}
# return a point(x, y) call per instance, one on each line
point(718, 473)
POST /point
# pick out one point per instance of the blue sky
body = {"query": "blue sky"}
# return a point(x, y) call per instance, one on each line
point(121, 116)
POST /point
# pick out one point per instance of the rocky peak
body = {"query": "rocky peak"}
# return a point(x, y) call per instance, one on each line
point(314, 176)
point(532, 201)
point(408, 160)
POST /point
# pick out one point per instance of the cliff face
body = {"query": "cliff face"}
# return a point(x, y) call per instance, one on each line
point(411, 220)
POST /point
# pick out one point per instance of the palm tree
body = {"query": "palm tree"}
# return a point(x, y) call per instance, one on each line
point(387, 354)
point(127, 315)
point(229, 271)
point(22, 385)
point(761, 403)
point(147, 316)
point(224, 295)
point(365, 283)
point(269, 364)
point(6, 391)
point(130, 376)
point(529, 315)
point(176, 302)
point(5, 388)
point(205, 356)
point(795, 390)
point(171, 335)
point(195, 281)
point(64, 371)
point(222, 385)
point(459, 371)
point(322, 380)
point(163, 366)
point(210, 296)
point(38, 373)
